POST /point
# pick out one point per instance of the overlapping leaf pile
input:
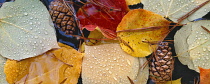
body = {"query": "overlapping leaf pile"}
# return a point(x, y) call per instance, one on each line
point(53, 67)
point(192, 44)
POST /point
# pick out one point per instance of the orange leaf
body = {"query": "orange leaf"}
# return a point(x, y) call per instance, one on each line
point(56, 66)
point(204, 76)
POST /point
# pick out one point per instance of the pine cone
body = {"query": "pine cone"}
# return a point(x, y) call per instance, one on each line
point(63, 16)
point(161, 64)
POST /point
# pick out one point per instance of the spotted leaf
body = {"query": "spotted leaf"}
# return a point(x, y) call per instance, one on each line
point(2, 75)
point(174, 9)
point(26, 29)
point(108, 64)
point(192, 44)
point(147, 27)
point(53, 67)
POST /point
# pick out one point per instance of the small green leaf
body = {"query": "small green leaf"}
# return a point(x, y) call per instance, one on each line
point(26, 29)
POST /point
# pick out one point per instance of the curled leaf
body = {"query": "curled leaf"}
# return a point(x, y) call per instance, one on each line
point(146, 28)
point(192, 44)
point(52, 67)
point(26, 30)
point(104, 14)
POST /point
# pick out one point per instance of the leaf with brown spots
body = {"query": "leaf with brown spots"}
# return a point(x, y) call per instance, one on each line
point(138, 29)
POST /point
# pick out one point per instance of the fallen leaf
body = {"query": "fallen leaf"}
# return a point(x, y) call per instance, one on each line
point(192, 45)
point(26, 29)
point(108, 64)
point(95, 34)
point(174, 9)
point(2, 75)
point(104, 14)
point(132, 2)
point(143, 73)
point(178, 81)
point(52, 67)
point(132, 41)
point(204, 76)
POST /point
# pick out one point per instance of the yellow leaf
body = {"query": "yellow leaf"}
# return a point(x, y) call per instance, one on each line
point(53, 67)
point(147, 27)
point(178, 81)
point(96, 34)
point(132, 2)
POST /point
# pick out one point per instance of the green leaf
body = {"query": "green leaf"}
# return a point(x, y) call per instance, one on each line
point(2, 75)
point(174, 9)
point(192, 44)
point(26, 29)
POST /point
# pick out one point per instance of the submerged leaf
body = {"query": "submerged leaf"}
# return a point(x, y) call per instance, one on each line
point(52, 67)
point(192, 44)
point(108, 64)
point(137, 43)
point(174, 9)
point(2, 75)
point(204, 76)
point(25, 29)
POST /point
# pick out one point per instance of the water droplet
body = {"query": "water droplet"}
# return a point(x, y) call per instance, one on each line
point(25, 14)
point(208, 48)
point(204, 49)
point(30, 23)
point(31, 18)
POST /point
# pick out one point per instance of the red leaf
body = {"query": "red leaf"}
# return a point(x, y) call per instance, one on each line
point(106, 14)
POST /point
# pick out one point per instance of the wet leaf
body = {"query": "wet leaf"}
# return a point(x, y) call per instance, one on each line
point(137, 43)
point(204, 76)
point(96, 34)
point(178, 81)
point(108, 64)
point(2, 75)
point(52, 67)
point(104, 14)
point(26, 29)
point(132, 2)
point(192, 45)
point(143, 72)
point(174, 9)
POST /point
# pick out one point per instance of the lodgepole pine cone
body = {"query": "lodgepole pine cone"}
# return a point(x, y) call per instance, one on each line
point(63, 16)
point(161, 64)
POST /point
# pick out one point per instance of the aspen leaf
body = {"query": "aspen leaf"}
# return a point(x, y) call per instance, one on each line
point(174, 9)
point(104, 14)
point(2, 75)
point(204, 76)
point(141, 19)
point(26, 29)
point(53, 67)
point(192, 44)
point(132, 2)
point(108, 64)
